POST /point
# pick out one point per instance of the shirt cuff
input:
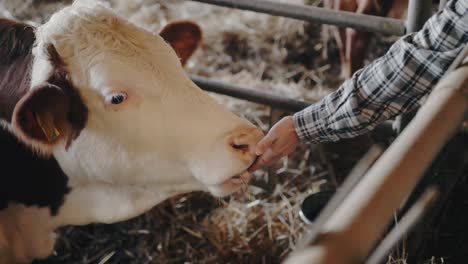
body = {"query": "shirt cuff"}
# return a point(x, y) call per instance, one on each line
point(311, 124)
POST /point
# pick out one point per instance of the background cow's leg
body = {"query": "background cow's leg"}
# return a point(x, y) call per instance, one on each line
point(398, 9)
point(356, 47)
point(327, 30)
point(340, 35)
point(357, 42)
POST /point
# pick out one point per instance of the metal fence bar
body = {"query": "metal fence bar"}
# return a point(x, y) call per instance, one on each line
point(369, 23)
point(418, 12)
point(249, 94)
point(442, 4)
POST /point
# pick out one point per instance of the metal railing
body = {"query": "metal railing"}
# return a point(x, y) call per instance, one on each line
point(307, 13)
point(249, 94)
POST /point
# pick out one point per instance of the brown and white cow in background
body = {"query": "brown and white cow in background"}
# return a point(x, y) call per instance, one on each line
point(352, 44)
point(108, 125)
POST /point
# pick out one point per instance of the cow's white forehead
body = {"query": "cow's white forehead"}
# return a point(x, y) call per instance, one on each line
point(86, 29)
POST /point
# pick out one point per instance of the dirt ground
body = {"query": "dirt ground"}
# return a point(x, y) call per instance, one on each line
point(261, 224)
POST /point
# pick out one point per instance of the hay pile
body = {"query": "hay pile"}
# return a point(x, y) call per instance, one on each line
point(284, 56)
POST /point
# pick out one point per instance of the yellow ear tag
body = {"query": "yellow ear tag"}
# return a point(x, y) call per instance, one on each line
point(46, 123)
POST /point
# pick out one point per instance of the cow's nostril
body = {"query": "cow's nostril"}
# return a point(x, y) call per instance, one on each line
point(242, 141)
point(241, 147)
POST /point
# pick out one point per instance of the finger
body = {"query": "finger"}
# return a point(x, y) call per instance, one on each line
point(263, 164)
point(255, 166)
point(266, 157)
point(265, 143)
point(263, 160)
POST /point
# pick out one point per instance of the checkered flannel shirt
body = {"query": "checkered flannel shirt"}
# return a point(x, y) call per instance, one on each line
point(391, 85)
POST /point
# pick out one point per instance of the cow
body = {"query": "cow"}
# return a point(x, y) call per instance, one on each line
point(99, 123)
point(353, 44)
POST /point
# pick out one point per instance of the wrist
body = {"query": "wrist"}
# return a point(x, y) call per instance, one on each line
point(296, 125)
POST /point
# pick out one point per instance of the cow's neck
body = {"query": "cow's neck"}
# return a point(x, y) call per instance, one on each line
point(27, 178)
point(32, 191)
point(16, 41)
point(14, 84)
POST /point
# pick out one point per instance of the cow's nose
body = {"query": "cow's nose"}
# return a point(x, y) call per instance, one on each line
point(243, 141)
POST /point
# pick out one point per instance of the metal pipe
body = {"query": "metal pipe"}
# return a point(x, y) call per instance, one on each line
point(418, 13)
point(249, 94)
point(354, 228)
point(442, 4)
point(369, 23)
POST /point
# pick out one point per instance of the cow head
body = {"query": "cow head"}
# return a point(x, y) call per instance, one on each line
point(112, 103)
point(108, 106)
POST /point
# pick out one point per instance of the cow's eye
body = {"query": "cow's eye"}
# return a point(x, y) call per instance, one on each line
point(116, 98)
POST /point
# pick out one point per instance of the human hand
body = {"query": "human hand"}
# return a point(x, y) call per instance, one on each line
point(281, 140)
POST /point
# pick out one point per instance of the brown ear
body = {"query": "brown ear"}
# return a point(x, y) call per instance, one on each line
point(47, 115)
point(184, 37)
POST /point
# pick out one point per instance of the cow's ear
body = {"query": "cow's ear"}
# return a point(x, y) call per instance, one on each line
point(184, 36)
point(48, 115)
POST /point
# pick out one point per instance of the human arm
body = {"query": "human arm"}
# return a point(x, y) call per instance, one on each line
point(391, 85)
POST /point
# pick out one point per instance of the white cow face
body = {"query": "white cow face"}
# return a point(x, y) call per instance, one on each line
point(112, 103)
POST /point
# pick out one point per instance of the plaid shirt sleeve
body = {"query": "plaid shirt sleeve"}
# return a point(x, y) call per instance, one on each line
point(393, 84)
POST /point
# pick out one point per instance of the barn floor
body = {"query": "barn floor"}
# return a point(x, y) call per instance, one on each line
point(258, 225)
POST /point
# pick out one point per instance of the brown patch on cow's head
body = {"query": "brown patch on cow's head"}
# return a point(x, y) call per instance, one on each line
point(184, 37)
point(16, 42)
point(52, 111)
